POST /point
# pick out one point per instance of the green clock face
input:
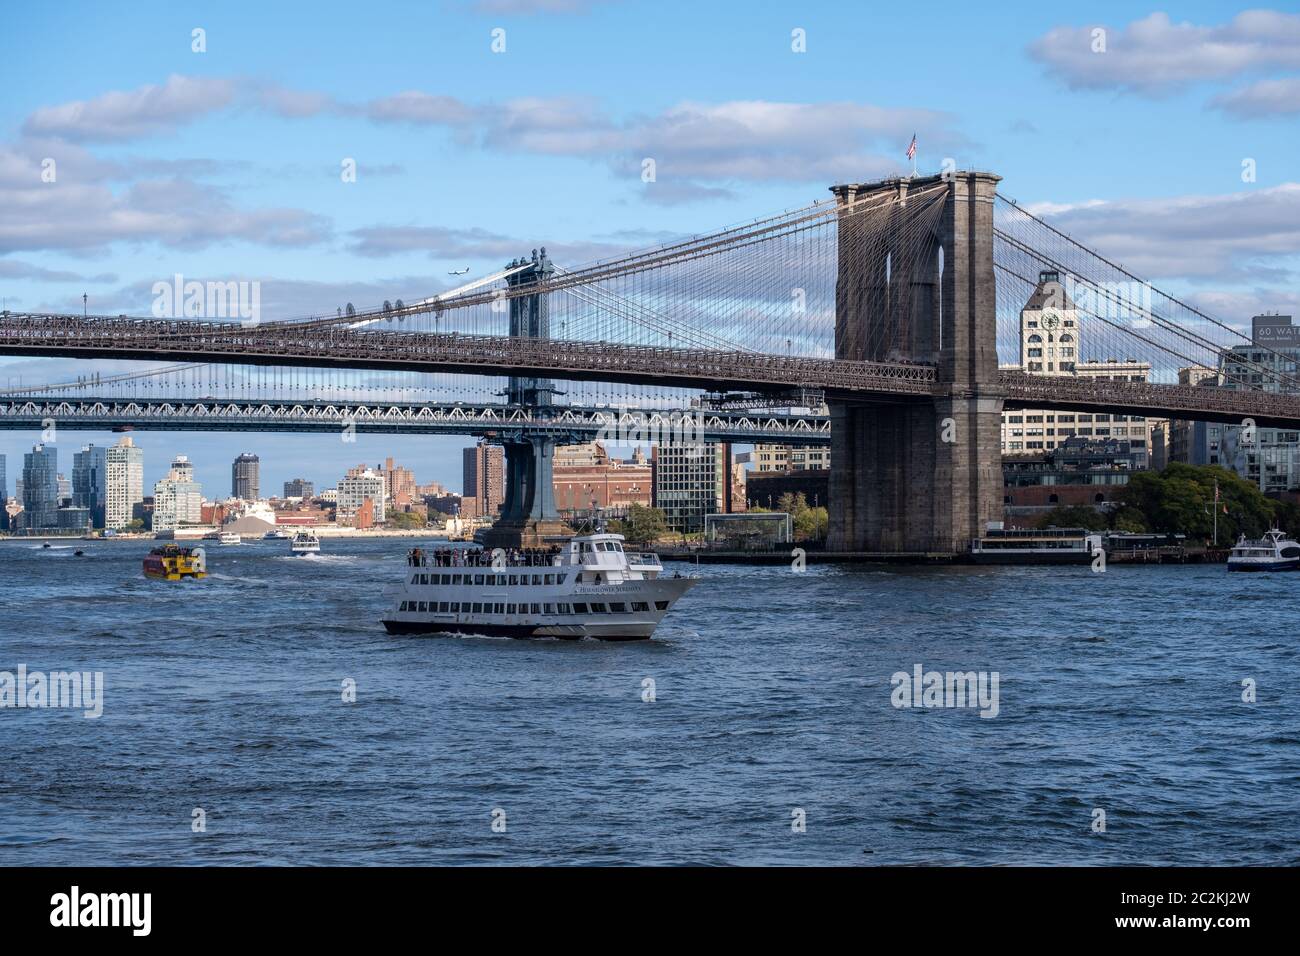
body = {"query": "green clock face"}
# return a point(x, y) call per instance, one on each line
point(1051, 320)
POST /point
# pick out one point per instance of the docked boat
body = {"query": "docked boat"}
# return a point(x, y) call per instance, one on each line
point(172, 562)
point(1035, 546)
point(1273, 552)
point(590, 587)
point(305, 542)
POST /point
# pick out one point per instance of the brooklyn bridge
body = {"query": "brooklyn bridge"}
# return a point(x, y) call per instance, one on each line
point(889, 316)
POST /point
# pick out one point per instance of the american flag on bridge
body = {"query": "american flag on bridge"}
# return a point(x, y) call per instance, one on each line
point(911, 149)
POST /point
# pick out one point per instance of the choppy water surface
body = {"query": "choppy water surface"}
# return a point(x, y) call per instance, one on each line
point(1120, 691)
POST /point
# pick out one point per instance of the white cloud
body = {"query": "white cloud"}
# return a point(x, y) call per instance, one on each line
point(1265, 98)
point(88, 217)
point(1156, 56)
point(121, 115)
point(1252, 235)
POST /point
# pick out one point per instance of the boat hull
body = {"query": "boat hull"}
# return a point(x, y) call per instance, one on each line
point(1286, 564)
point(611, 626)
point(621, 631)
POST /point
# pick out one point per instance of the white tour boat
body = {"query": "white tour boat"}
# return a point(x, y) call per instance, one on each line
point(305, 542)
point(229, 537)
point(1273, 552)
point(590, 587)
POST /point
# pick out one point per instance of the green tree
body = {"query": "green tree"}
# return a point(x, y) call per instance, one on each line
point(1073, 516)
point(643, 525)
point(408, 520)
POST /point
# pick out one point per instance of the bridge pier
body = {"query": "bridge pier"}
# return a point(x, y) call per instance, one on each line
point(916, 284)
point(528, 515)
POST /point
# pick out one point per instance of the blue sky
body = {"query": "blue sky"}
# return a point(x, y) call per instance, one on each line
point(226, 164)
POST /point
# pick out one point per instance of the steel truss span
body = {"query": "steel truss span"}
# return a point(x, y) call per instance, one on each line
point(98, 338)
point(162, 340)
point(617, 426)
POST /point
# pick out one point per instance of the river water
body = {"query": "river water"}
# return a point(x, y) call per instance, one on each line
point(758, 727)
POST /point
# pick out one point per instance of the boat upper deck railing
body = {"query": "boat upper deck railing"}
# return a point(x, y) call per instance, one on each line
point(496, 558)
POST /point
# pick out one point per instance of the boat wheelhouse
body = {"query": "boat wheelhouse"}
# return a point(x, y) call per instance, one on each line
point(589, 587)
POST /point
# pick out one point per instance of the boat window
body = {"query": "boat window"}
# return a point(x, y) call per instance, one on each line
point(510, 609)
point(442, 606)
point(598, 609)
point(550, 579)
point(478, 608)
point(548, 608)
point(618, 607)
point(537, 579)
point(560, 578)
point(514, 579)
point(446, 579)
point(579, 609)
point(415, 579)
point(498, 609)
point(455, 607)
point(455, 579)
point(403, 607)
point(422, 607)
point(661, 605)
point(537, 609)
point(478, 579)
point(640, 606)
point(424, 579)
point(563, 608)
point(618, 547)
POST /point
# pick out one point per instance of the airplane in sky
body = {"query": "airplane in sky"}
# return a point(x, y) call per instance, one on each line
point(458, 272)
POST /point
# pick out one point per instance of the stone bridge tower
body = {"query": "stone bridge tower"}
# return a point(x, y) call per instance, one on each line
point(919, 475)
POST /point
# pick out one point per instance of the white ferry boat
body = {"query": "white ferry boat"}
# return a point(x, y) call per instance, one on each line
point(1035, 546)
point(1273, 552)
point(276, 535)
point(223, 537)
point(305, 542)
point(591, 587)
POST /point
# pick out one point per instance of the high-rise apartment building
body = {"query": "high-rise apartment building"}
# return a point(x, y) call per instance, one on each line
point(299, 488)
point(40, 489)
point(399, 483)
point(89, 472)
point(123, 482)
point(177, 498)
point(484, 475)
point(357, 487)
point(245, 480)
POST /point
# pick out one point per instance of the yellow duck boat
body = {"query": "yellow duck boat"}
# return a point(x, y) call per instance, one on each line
point(171, 562)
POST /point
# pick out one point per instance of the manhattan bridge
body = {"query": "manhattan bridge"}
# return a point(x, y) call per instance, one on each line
point(884, 321)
